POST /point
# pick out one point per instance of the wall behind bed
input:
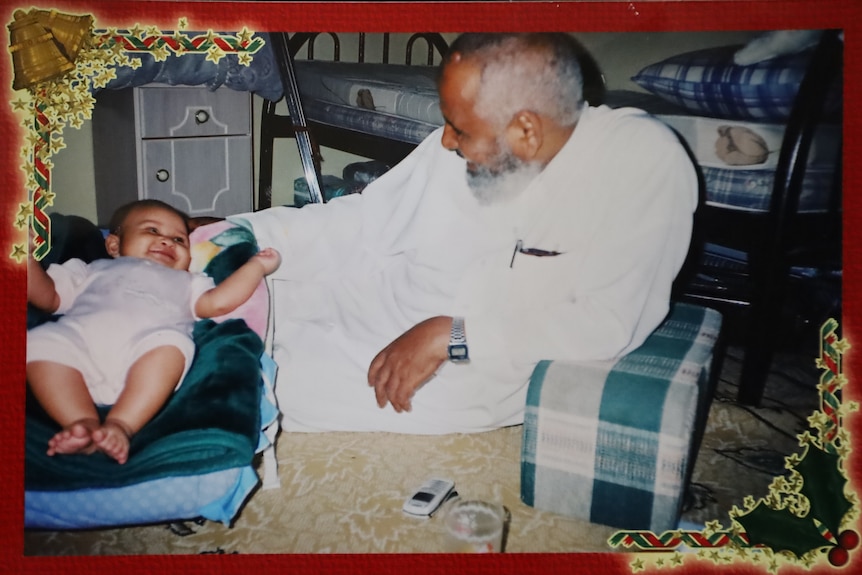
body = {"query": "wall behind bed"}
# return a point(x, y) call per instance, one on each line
point(619, 56)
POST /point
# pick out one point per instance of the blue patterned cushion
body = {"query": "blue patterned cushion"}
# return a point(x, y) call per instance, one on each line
point(752, 189)
point(708, 82)
point(611, 442)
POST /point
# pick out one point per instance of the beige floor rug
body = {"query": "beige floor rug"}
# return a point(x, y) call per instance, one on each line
point(743, 449)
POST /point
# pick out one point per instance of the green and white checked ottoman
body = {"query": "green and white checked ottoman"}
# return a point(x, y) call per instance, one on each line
point(613, 442)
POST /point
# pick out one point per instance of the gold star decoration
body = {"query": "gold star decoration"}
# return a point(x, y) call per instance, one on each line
point(791, 461)
point(214, 54)
point(712, 527)
point(25, 210)
point(160, 54)
point(805, 438)
point(18, 253)
point(49, 198)
point(841, 346)
point(244, 36)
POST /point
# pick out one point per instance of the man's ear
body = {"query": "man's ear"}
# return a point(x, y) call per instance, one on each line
point(525, 135)
point(112, 244)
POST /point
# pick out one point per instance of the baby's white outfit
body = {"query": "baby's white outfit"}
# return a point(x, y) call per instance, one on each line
point(115, 311)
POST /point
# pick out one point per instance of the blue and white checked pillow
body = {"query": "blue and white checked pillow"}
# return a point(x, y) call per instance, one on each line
point(752, 189)
point(708, 82)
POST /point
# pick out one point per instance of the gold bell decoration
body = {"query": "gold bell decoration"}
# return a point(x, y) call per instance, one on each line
point(72, 32)
point(44, 44)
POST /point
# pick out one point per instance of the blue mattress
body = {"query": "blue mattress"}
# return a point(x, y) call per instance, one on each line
point(751, 190)
point(749, 187)
point(395, 102)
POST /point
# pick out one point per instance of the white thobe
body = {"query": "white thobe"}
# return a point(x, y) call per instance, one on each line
point(616, 203)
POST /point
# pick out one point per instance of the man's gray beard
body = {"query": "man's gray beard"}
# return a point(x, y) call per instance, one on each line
point(503, 184)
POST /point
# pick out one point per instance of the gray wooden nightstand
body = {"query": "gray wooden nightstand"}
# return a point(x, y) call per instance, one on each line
point(188, 146)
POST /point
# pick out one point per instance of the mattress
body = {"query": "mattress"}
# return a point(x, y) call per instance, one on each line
point(396, 102)
point(701, 133)
point(400, 90)
point(748, 185)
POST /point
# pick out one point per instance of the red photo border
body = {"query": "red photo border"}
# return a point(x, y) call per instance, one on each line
point(408, 17)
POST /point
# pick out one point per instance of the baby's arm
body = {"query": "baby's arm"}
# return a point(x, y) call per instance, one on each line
point(41, 292)
point(238, 287)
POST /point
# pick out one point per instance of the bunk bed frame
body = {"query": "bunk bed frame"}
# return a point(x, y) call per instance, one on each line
point(775, 239)
point(310, 135)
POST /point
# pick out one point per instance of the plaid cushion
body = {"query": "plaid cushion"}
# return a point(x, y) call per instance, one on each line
point(752, 189)
point(708, 82)
point(612, 442)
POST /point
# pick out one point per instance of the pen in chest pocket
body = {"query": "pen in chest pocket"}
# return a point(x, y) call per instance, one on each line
point(519, 248)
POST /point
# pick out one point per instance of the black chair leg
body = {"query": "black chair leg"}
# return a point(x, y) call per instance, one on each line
point(755, 366)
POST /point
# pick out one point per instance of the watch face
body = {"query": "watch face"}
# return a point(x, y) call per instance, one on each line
point(458, 352)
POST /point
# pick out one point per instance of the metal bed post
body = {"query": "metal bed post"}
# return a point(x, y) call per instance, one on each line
point(310, 167)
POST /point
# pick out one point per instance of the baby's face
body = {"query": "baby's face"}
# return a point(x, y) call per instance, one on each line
point(155, 234)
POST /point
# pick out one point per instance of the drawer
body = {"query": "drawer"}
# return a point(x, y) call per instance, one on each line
point(188, 112)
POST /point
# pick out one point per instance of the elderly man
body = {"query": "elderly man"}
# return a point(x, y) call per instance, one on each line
point(531, 226)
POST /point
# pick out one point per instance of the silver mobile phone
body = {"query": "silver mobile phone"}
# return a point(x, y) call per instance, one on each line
point(428, 497)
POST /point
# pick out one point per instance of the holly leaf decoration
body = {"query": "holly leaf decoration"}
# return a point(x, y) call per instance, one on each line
point(823, 485)
point(781, 530)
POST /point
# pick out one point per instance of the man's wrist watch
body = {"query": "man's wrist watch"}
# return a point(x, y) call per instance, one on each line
point(458, 342)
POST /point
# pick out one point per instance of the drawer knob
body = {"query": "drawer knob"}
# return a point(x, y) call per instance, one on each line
point(201, 116)
point(163, 175)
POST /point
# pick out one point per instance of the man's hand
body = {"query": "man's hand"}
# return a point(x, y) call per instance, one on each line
point(409, 361)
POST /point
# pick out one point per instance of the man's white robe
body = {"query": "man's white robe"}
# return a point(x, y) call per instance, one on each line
point(616, 203)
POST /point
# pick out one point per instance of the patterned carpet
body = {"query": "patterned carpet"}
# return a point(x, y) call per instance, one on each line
point(742, 451)
point(744, 447)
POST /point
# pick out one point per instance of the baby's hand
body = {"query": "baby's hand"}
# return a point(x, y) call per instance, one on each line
point(269, 258)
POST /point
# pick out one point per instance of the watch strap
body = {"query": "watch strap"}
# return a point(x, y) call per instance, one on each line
point(456, 336)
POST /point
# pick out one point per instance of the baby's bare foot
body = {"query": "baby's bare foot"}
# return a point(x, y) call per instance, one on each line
point(77, 438)
point(112, 439)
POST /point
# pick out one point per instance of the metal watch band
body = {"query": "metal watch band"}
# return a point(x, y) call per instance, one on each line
point(456, 336)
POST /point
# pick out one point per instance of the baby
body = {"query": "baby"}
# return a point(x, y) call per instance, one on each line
point(125, 337)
